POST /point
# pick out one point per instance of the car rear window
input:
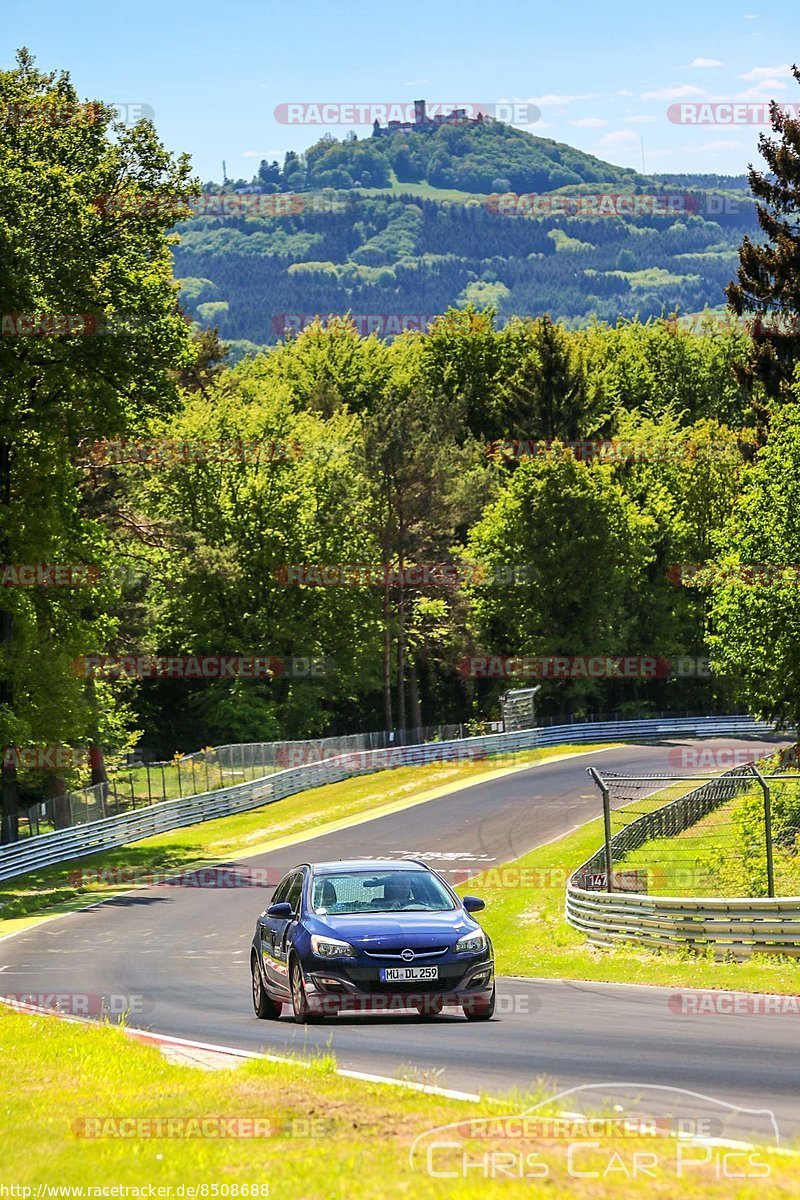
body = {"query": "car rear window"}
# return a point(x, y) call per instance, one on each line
point(379, 891)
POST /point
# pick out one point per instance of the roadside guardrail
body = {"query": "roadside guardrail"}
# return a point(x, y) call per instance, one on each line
point(48, 849)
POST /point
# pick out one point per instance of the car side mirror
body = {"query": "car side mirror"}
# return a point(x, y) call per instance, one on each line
point(282, 910)
point(473, 904)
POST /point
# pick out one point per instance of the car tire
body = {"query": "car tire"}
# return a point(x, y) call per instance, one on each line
point(480, 1009)
point(265, 1008)
point(303, 1014)
point(430, 1008)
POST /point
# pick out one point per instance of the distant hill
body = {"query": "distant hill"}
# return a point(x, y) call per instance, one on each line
point(475, 157)
point(396, 228)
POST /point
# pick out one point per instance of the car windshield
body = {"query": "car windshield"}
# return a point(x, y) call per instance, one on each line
point(379, 891)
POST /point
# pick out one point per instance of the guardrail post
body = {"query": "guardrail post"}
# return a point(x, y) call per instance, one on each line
point(598, 779)
point(767, 829)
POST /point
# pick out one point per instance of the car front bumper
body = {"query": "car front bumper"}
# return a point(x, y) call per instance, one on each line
point(359, 989)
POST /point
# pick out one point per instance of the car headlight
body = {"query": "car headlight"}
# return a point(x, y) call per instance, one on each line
point(325, 947)
point(472, 943)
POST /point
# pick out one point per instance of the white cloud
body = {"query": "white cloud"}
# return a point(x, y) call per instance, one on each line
point(760, 93)
point(624, 92)
point(720, 144)
point(766, 72)
point(589, 123)
point(619, 137)
point(642, 119)
point(249, 154)
point(706, 62)
point(415, 82)
point(551, 99)
point(674, 93)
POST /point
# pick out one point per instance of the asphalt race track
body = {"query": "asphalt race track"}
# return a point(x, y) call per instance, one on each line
point(185, 950)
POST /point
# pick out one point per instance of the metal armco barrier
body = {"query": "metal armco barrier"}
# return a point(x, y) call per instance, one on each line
point(735, 927)
point(65, 844)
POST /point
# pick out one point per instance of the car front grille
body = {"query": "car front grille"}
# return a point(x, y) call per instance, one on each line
point(396, 954)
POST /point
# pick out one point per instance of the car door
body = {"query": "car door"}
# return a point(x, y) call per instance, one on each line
point(277, 965)
point(271, 929)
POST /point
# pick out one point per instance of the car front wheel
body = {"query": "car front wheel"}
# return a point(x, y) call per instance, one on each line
point(481, 1008)
point(264, 1006)
point(303, 1013)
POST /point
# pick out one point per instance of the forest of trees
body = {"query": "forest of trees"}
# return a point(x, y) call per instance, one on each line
point(410, 255)
point(472, 157)
point(292, 505)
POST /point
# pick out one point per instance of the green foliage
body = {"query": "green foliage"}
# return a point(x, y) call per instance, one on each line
point(755, 618)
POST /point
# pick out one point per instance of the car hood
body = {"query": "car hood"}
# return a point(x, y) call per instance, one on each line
point(396, 931)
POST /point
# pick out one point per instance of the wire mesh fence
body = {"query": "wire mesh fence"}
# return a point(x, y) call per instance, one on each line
point(141, 784)
point(731, 835)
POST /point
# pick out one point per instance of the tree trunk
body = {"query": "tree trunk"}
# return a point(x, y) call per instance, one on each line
point(413, 690)
point(401, 650)
point(9, 825)
point(58, 801)
point(387, 657)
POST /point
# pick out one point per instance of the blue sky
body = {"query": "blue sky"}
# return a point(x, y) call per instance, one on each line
point(602, 78)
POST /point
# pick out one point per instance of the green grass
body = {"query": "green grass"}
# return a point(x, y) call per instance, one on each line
point(724, 853)
point(525, 919)
point(327, 1136)
point(228, 838)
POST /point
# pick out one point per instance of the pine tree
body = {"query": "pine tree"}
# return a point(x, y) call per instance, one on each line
point(769, 274)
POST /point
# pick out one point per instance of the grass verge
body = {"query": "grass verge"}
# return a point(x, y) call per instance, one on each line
point(525, 919)
point(83, 881)
point(87, 1103)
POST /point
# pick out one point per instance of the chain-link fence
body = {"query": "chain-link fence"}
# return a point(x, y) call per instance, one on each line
point(735, 834)
point(141, 784)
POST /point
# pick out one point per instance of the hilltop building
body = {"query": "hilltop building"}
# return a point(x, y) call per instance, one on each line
point(422, 123)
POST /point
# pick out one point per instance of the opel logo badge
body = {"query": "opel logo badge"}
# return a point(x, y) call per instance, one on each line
point(407, 956)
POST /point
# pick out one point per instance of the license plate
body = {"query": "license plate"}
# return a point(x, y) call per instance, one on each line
point(400, 974)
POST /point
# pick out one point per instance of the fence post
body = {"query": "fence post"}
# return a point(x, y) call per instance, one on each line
point(767, 829)
point(180, 787)
point(598, 780)
point(149, 790)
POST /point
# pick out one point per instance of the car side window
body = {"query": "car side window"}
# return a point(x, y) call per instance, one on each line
point(279, 895)
point(295, 890)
